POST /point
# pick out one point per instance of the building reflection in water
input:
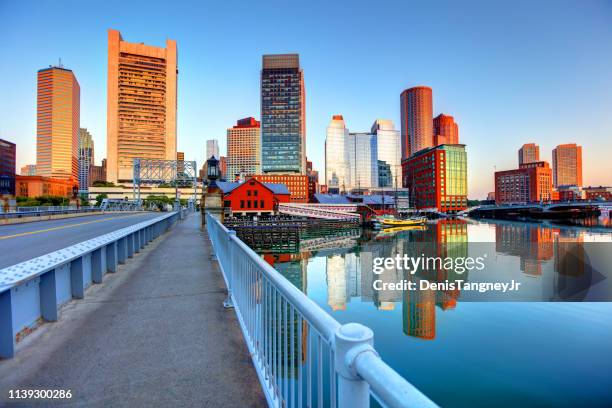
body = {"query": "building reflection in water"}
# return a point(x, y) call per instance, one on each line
point(349, 270)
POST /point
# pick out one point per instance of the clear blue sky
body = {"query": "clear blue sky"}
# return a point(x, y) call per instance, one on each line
point(510, 72)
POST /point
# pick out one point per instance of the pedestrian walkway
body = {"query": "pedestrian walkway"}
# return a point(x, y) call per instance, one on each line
point(154, 334)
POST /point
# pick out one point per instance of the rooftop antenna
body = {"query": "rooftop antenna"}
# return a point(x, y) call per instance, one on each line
point(60, 63)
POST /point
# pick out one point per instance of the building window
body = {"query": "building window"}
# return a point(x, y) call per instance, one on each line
point(249, 193)
point(261, 203)
point(255, 204)
point(241, 203)
point(249, 204)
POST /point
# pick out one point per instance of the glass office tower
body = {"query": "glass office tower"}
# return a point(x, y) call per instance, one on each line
point(283, 124)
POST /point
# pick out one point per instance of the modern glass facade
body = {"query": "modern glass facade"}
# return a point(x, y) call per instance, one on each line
point(363, 151)
point(384, 174)
point(389, 149)
point(283, 125)
point(86, 158)
point(7, 167)
point(437, 178)
point(337, 158)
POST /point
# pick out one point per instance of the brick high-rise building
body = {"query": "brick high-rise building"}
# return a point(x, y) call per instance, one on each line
point(529, 153)
point(567, 165)
point(141, 109)
point(243, 149)
point(437, 178)
point(57, 124)
point(445, 130)
point(283, 115)
point(531, 182)
point(86, 158)
point(417, 120)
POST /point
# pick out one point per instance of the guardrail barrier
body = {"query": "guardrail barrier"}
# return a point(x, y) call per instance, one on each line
point(302, 355)
point(32, 291)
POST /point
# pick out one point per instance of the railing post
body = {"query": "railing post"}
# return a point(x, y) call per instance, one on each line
point(351, 340)
point(111, 257)
point(7, 338)
point(48, 296)
point(98, 265)
point(77, 279)
point(227, 303)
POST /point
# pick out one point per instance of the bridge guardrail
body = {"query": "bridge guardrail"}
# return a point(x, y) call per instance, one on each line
point(32, 291)
point(39, 211)
point(302, 355)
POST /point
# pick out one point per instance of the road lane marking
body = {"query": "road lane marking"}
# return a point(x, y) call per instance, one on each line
point(21, 234)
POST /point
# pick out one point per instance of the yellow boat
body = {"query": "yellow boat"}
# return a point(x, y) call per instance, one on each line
point(392, 222)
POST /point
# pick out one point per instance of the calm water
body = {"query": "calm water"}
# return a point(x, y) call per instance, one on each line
point(470, 353)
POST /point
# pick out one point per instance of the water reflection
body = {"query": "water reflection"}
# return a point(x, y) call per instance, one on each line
point(552, 255)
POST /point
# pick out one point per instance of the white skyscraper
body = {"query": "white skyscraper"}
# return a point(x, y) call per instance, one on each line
point(212, 149)
point(389, 149)
point(337, 160)
point(363, 154)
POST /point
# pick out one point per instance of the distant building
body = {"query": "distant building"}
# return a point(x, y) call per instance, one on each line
point(86, 158)
point(57, 130)
point(567, 165)
point(417, 120)
point(180, 162)
point(437, 178)
point(531, 182)
point(296, 183)
point(8, 151)
point(313, 180)
point(244, 148)
point(363, 151)
point(35, 186)
point(570, 193)
point(212, 149)
point(491, 196)
point(384, 174)
point(252, 197)
point(223, 168)
point(446, 131)
point(388, 148)
point(598, 193)
point(141, 104)
point(337, 156)
point(97, 173)
point(529, 153)
point(283, 115)
point(28, 170)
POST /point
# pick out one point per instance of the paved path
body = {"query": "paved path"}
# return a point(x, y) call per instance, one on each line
point(154, 334)
point(20, 242)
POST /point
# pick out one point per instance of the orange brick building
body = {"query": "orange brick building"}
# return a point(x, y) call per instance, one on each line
point(531, 182)
point(35, 186)
point(296, 183)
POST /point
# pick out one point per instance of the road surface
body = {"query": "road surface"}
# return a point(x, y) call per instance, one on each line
point(21, 242)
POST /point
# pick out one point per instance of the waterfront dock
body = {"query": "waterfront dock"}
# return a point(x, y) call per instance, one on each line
point(153, 334)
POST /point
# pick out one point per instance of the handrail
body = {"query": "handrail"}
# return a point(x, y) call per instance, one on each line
point(32, 291)
point(302, 355)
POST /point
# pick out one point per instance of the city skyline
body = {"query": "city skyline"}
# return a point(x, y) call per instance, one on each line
point(541, 102)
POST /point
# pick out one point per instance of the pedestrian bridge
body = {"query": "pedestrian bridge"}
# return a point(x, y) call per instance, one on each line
point(136, 316)
point(321, 211)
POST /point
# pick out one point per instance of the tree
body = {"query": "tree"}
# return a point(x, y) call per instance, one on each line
point(99, 199)
point(100, 183)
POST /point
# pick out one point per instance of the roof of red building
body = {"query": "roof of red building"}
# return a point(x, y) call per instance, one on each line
point(276, 188)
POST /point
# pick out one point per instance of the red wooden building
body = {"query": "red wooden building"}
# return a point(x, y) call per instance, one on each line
point(253, 196)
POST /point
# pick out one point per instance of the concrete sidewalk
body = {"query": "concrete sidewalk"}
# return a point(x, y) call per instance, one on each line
point(155, 334)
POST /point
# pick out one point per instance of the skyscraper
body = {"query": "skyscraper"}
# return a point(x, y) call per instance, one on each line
point(243, 148)
point(567, 165)
point(337, 169)
point(212, 149)
point(57, 126)
point(445, 130)
point(529, 153)
point(363, 152)
point(141, 107)
point(283, 115)
point(86, 158)
point(388, 148)
point(417, 122)
point(7, 168)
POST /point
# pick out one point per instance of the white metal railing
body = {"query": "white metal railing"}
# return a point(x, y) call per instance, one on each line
point(302, 355)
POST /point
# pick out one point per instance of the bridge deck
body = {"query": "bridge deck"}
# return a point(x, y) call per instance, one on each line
point(153, 334)
point(21, 242)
